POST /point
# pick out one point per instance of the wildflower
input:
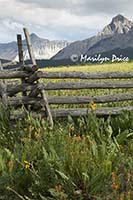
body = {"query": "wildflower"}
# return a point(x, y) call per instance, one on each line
point(93, 106)
point(37, 135)
point(77, 138)
point(114, 184)
point(113, 175)
point(128, 193)
point(58, 188)
point(27, 165)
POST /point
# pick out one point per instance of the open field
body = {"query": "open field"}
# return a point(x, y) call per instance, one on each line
point(84, 158)
point(114, 67)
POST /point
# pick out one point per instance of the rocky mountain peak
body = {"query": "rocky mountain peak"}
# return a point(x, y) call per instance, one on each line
point(118, 18)
point(118, 25)
point(34, 37)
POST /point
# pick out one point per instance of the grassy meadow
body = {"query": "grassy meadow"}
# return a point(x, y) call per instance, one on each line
point(84, 158)
point(106, 67)
point(112, 67)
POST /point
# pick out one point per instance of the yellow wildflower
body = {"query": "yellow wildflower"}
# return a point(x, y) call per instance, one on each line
point(93, 106)
point(27, 165)
point(113, 175)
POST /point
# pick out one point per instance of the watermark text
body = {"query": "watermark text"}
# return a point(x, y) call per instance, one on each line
point(98, 58)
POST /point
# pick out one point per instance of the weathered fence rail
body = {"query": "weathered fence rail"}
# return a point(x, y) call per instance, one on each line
point(18, 101)
point(6, 74)
point(35, 100)
point(34, 88)
point(85, 75)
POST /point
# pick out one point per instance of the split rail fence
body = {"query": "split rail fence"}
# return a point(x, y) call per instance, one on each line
point(32, 92)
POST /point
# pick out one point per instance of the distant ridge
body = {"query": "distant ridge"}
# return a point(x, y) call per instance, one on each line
point(117, 34)
point(43, 48)
point(116, 37)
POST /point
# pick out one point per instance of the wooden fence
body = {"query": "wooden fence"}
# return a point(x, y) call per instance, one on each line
point(32, 93)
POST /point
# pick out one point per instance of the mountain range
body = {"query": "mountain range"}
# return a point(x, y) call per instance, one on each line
point(115, 38)
point(117, 35)
point(43, 48)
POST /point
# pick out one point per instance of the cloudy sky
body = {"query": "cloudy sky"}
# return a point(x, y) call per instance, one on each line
point(59, 19)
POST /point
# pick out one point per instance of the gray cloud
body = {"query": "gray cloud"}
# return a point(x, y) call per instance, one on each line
point(59, 4)
point(59, 19)
point(85, 7)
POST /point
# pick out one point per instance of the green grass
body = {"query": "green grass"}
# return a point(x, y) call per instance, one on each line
point(107, 67)
point(84, 158)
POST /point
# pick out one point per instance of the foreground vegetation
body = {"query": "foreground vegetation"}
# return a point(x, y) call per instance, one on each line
point(85, 158)
point(80, 159)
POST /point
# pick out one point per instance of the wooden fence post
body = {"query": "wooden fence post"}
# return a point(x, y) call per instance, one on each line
point(43, 94)
point(3, 90)
point(29, 45)
point(46, 105)
point(20, 50)
point(21, 58)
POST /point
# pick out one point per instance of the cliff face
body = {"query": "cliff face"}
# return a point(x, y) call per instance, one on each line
point(43, 48)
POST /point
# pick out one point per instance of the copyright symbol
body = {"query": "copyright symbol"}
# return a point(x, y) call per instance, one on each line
point(74, 58)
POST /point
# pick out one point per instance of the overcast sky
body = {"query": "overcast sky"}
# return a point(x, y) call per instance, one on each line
point(59, 19)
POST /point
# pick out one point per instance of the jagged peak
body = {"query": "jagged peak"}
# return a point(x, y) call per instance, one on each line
point(118, 25)
point(120, 18)
point(33, 36)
